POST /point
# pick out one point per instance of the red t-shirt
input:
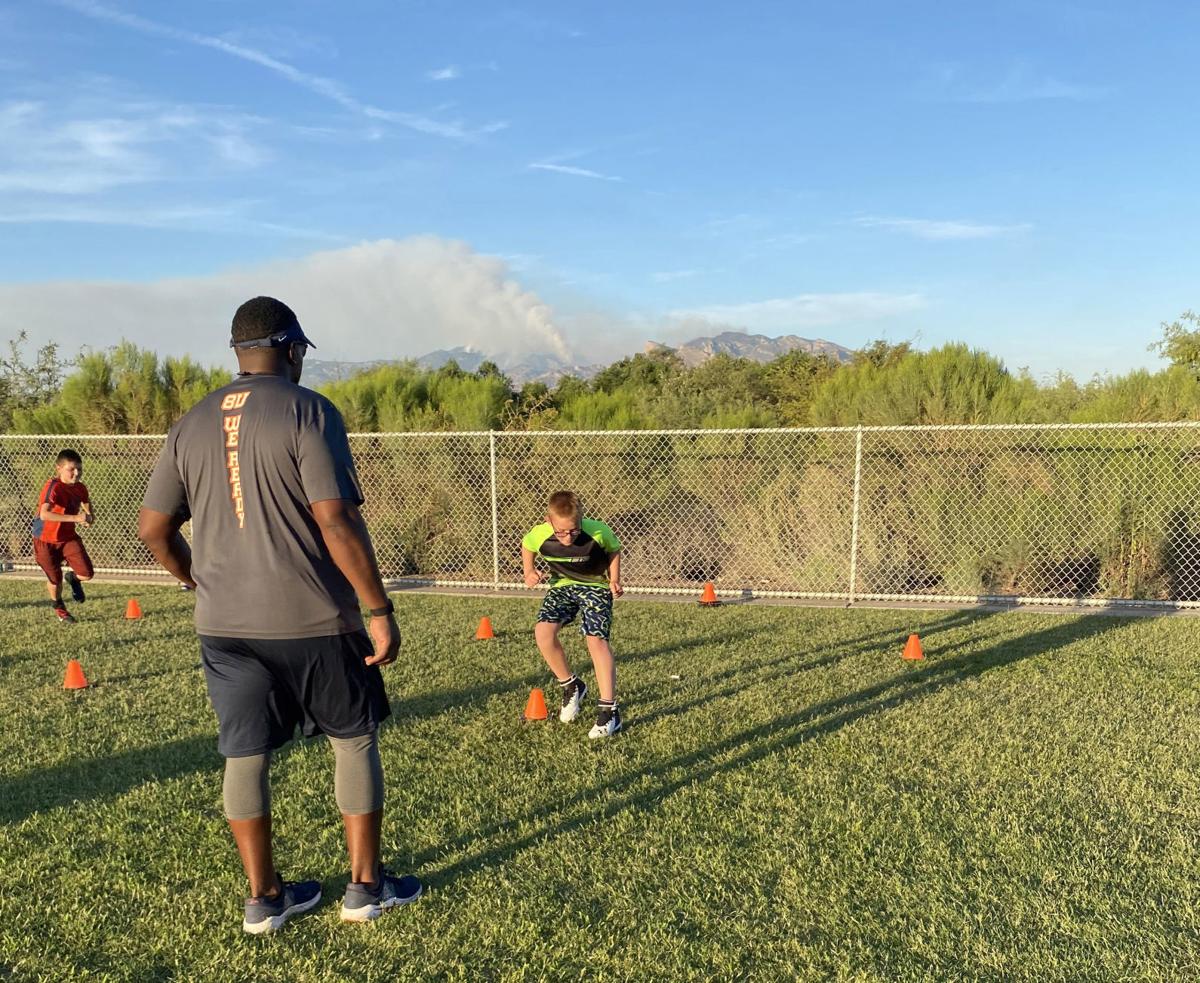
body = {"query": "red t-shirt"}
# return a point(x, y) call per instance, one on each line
point(65, 500)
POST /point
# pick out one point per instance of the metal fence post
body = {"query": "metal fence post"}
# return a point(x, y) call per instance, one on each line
point(495, 518)
point(854, 521)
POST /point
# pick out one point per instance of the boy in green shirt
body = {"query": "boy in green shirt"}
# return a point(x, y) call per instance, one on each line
point(584, 560)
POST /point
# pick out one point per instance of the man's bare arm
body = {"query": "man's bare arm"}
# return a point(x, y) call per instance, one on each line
point(349, 545)
point(160, 533)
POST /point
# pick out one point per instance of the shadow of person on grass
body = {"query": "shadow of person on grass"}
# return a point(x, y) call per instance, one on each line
point(746, 674)
point(752, 744)
point(103, 777)
point(432, 703)
point(439, 701)
point(780, 667)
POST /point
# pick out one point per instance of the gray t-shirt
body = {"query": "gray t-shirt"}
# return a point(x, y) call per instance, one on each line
point(244, 464)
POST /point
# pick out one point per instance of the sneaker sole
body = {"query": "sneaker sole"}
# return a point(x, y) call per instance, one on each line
point(370, 912)
point(276, 922)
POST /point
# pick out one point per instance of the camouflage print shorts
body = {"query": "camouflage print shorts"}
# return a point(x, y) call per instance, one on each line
point(562, 604)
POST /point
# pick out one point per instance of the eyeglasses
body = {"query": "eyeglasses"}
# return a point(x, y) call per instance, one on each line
point(567, 532)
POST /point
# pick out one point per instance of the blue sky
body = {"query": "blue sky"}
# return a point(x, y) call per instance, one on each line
point(586, 176)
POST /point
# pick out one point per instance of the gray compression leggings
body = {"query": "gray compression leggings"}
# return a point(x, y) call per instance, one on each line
point(357, 779)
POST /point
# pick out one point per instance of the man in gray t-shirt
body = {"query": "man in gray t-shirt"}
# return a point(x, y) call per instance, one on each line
point(279, 559)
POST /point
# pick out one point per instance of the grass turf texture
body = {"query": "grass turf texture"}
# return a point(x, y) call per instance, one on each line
point(799, 804)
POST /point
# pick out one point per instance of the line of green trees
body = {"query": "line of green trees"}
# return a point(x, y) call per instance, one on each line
point(131, 390)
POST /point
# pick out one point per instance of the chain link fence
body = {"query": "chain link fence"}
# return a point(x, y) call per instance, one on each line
point(1093, 514)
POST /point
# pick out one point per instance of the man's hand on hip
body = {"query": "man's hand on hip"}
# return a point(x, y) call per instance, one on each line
point(385, 636)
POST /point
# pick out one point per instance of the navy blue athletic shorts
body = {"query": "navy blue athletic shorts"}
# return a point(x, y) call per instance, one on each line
point(262, 689)
point(562, 605)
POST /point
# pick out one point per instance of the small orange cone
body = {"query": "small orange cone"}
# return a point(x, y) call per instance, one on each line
point(708, 597)
point(912, 648)
point(485, 629)
point(535, 707)
point(74, 679)
point(133, 610)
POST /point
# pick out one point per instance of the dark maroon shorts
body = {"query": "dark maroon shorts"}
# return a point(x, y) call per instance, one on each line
point(51, 556)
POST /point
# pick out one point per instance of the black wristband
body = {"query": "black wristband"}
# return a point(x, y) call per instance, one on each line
point(389, 608)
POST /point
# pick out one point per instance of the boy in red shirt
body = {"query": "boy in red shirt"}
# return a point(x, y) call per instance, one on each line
point(63, 505)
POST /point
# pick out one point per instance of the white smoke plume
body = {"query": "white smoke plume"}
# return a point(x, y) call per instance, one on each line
point(376, 300)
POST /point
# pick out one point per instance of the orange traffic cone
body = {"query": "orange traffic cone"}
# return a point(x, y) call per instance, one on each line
point(708, 597)
point(535, 706)
point(485, 629)
point(133, 610)
point(74, 679)
point(912, 648)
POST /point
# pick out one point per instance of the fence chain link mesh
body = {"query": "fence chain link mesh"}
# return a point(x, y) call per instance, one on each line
point(1069, 513)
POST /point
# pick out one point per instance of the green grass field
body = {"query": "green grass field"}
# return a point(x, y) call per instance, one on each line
point(789, 801)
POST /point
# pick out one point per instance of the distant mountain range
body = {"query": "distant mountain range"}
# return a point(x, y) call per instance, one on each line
point(522, 368)
point(756, 347)
point(542, 367)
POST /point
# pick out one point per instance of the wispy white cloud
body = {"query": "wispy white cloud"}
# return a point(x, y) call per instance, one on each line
point(282, 42)
point(785, 240)
point(522, 262)
point(740, 225)
point(669, 276)
point(447, 74)
point(234, 148)
point(924, 228)
point(574, 171)
point(807, 310)
point(1018, 86)
point(1021, 83)
point(81, 150)
point(326, 87)
point(231, 217)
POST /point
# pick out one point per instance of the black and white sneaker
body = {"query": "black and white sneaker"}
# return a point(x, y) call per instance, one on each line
point(76, 587)
point(573, 692)
point(608, 721)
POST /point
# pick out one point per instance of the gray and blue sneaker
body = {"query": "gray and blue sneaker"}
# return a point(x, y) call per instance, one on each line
point(76, 587)
point(268, 914)
point(364, 902)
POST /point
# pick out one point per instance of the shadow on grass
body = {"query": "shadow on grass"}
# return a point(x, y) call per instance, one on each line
point(752, 744)
point(86, 779)
point(60, 644)
point(746, 674)
point(433, 703)
point(105, 777)
point(131, 677)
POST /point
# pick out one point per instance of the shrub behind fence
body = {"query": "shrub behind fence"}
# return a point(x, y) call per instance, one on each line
point(1086, 513)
